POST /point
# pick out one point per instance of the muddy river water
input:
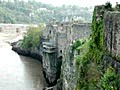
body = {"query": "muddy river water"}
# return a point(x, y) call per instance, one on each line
point(18, 72)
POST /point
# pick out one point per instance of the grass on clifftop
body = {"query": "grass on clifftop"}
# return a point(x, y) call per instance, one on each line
point(32, 37)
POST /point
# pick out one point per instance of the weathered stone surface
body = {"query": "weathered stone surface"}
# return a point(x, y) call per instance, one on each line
point(108, 60)
point(58, 86)
point(112, 32)
point(34, 53)
point(56, 39)
point(69, 71)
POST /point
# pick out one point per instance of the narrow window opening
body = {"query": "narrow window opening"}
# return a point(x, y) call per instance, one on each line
point(60, 51)
point(50, 31)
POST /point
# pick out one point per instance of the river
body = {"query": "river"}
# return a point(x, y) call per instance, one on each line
point(19, 72)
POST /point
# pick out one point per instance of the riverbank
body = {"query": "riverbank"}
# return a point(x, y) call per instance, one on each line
point(18, 72)
point(8, 37)
point(31, 52)
point(11, 40)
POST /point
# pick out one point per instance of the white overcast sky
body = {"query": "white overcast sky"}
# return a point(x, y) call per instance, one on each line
point(82, 3)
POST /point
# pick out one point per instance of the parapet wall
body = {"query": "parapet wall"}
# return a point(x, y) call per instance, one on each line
point(82, 30)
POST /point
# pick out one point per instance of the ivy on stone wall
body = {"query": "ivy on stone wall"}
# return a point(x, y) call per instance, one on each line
point(90, 73)
point(97, 38)
point(91, 76)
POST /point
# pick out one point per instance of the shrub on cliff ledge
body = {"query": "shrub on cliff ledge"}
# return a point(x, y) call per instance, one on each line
point(32, 37)
point(81, 47)
point(110, 79)
point(108, 6)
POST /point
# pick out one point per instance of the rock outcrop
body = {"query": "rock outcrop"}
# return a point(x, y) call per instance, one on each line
point(31, 52)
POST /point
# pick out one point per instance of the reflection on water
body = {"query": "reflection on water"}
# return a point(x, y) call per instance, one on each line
point(19, 72)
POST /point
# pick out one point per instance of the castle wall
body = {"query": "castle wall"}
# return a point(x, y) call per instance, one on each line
point(70, 73)
point(50, 34)
point(63, 39)
point(112, 32)
point(80, 31)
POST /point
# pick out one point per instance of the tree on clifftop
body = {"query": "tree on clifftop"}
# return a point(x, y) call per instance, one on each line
point(108, 6)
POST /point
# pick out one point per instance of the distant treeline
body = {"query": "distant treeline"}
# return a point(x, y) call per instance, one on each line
point(37, 12)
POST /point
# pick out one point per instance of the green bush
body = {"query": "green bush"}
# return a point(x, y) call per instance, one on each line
point(108, 6)
point(32, 37)
point(110, 79)
point(81, 47)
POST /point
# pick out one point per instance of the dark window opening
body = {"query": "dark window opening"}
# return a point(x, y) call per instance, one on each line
point(61, 24)
point(60, 51)
point(70, 31)
point(50, 31)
